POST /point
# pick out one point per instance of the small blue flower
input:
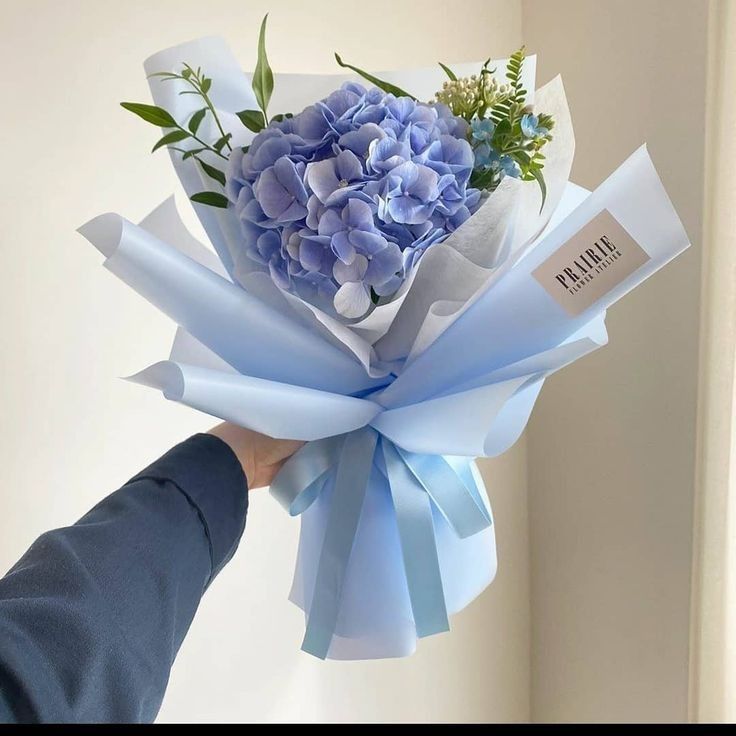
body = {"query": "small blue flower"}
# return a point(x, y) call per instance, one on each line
point(482, 130)
point(509, 167)
point(485, 156)
point(530, 127)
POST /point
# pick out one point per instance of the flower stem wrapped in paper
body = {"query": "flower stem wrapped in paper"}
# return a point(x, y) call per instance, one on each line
point(394, 280)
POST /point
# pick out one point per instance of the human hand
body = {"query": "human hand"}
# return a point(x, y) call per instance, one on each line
point(260, 456)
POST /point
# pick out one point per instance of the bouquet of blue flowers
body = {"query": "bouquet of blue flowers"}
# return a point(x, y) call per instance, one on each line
point(392, 281)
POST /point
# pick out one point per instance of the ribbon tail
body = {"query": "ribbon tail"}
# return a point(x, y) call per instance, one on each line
point(463, 509)
point(304, 474)
point(418, 545)
point(351, 481)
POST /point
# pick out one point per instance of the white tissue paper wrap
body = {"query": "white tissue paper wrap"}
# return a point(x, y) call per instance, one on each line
point(396, 527)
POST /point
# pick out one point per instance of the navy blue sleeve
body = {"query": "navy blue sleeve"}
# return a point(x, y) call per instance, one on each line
point(92, 616)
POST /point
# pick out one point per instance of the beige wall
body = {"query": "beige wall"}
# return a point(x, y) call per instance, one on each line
point(611, 444)
point(70, 431)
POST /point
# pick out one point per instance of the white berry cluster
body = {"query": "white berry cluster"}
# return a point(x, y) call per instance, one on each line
point(468, 96)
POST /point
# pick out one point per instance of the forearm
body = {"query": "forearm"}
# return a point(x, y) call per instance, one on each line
point(93, 614)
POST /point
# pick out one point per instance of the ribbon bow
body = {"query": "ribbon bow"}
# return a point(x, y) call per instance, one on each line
point(416, 482)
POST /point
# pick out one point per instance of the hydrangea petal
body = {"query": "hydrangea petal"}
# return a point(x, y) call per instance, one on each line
point(271, 195)
point(348, 167)
point(358, 141)
point(342, 247)
point(409, 210)
point(310, 255)
point(352, 300)
point(322, 179)
point(384, 265)
point(368, 242)
point(355, 271)
point(290, 177)
point(330, 223)
point(358, 214)
point(388, 287)
point(385, 154)
point(268, 153)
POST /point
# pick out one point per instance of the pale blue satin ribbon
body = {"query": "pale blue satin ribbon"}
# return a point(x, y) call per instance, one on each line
point(463, 509)
point(300, 480)
point(418, 545)
point(415, 481)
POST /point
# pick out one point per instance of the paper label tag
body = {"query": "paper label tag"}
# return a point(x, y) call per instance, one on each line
point(595, 260)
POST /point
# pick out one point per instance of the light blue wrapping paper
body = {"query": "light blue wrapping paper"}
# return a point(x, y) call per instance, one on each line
point(396, 527)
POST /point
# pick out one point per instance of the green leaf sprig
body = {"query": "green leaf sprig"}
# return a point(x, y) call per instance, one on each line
point(387, 87)
point(262, 83)
point(200, 85)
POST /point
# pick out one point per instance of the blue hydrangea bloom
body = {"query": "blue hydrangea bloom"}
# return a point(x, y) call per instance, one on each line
point(339, 202)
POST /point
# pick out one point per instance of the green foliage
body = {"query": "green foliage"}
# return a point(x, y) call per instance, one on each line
point(190, 153)
point(263, 76)
point(213, 199)
point(509, 108)
point(254, 120)
point(451, 74)
point(513, 74)
point(262, 83)
point(222, 141)
point(196, 120)
point(212, 172)
point(535, 172)
point(385, 86)
point(174, 137)
point(198, 84)
point(151, 114)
